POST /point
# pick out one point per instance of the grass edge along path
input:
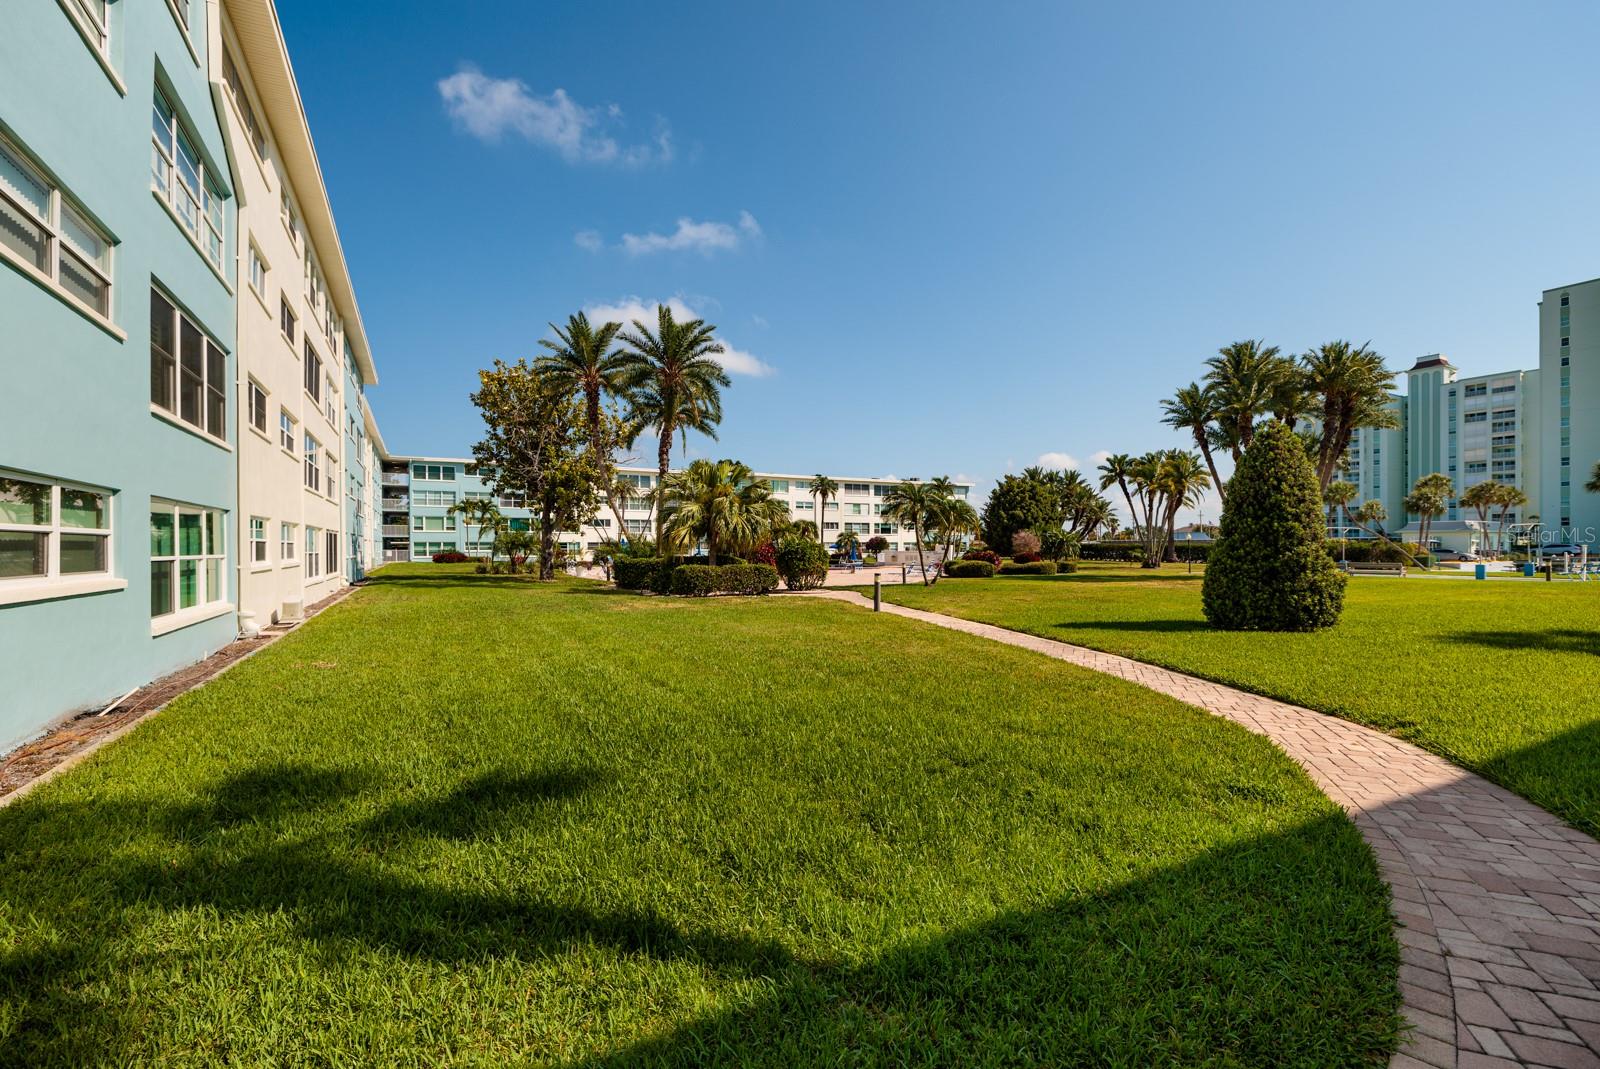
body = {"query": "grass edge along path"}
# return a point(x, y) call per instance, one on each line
point(463, 819)
point(1499, 678)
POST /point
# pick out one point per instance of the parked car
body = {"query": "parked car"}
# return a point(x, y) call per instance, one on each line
point(1562, 549)
point(1458, 556)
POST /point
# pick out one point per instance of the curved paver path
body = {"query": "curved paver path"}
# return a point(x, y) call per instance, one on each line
point(1499, 901)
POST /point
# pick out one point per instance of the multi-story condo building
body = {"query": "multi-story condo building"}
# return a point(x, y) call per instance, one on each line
point(117, 450)
point(421, 490)
point(1569, 406)
point(302, 350)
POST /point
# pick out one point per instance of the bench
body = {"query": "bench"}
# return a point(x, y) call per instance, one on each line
point(1396, 570)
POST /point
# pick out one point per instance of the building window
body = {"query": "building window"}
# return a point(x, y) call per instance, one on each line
point(286, 431)
point(178, 176)
point(1564, 300)
point(1478, 389)
point(43, 230)
point(313, 553)
point(258, 540)
point(258, 406)
point(291, 221)
point(90, 15)
point(330, 550)
point(313, 474)
point(313, 378)
point(286, 542)
point(258, 272)
point(433, 523)
point(329, 400)
point(188, 373)
point(441, 498)
point(331, 474)
point(241, 100)
point(856, 488)
point(52, 531)
point(287, 320)
point(186, 558)
point(434, 472)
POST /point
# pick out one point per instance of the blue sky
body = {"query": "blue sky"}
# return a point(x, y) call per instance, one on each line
point(948, 238)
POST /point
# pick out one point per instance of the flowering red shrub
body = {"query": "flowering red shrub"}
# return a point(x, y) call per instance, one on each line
point(982, 554)
point(1025, 558)
point(450, 556)
point(765, 553)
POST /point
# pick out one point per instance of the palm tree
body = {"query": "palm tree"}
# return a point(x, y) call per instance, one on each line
point(672, 382)
point(823, 488)
point(1593, 485)
point(847, 543)
point(582, 360)
point(1429, 497)
point(1354, 387)
point(1338, 496)
point(1507, 497)
point(477, 512)
point(1247, 378)
point(1181, 479)
point(1480, 497)
point(953, 518)
point(1292, 396)
point(1192, 409)
point(1116, 469)
point(913, 505)
point(719, 503)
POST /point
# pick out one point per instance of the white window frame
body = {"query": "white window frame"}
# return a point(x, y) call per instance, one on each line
point(175, 384)
point(53, 582)
point(288, 432)
point(312, 380)
point(208, 602)
point(199, 212)
point(313, 464)
point(260, 556)
point(288, 534)
point(58, 208)
point(313, 552)
point(330, 551)
point(259, 271)
point(330, 468)
point(287, 313)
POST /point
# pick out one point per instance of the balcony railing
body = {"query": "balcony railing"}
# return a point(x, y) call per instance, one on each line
point(396, 478)
point(397, 504)
point(395, 530)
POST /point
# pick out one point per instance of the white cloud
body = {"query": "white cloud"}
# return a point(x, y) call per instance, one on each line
point(588, 240)
point(489, 108)
point(702, 237)
point(627, 309)
point(1057, 461)
point(1099, 457)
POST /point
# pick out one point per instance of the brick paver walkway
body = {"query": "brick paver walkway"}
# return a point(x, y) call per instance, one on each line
point(1498, 901)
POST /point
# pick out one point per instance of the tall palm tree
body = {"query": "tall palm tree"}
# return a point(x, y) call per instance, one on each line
point(1292, 395)
point(914, 505)
point(1192, 409)
point(1480, 497)
point(480, 513)
point(1429, 498)
point(1354, 387)
point(1182, 479)
point(953, 518)
point(720, 503)
point(1507, 497)
point(673, 382)
point(823, 488)
point(1246, 377)
point(1338, 496)
point(1115, 470)
point(581, 359)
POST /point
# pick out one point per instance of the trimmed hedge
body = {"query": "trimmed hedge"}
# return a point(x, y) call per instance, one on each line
point(1270, 569)
point(982, 554)
point(451, 556)
point(802, 563)
point(636, 573)
point(1378, 552)
point(700, 580)
point(1033, 567)
point(969, 569)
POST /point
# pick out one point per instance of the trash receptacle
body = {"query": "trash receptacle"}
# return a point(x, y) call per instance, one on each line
point(1480, 571)
point(1527, 568)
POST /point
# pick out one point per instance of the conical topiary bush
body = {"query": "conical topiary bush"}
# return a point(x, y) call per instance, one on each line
point(1269, 570)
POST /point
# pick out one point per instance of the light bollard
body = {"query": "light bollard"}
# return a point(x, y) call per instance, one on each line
point(877, 592)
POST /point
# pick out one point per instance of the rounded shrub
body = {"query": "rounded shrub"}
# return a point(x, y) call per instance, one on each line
point(1269, 569)
point(980, 552)
point(802, 563)
point(1035, 567)
point(969, 569)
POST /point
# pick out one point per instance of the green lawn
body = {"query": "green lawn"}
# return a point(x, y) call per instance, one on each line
point(472, 820)
point(1502, 678)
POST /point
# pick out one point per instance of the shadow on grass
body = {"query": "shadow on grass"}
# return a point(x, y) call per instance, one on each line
point(1158, 626)
point(1553, 640)
point(1165, 968)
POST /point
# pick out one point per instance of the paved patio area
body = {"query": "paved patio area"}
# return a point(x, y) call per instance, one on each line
point(1498, 902)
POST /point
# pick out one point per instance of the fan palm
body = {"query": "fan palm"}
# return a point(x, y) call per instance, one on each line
point(847, 543)
point(1354, 387)
point(477, 512)
point(720, 503)
point(914, 505)
point(1192, 409)
point(953, 518)
point(673, 382)
point(1480, 497)
point(1115, 469)
point(1429, 498)
point(1180, 480)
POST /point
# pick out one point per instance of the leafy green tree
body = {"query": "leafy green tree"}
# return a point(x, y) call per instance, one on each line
point(536, 442)
point(1017, 503)
point(801, 561)
point(1192, 409)
point(914, 505)
point(823, 489)
point(878, 543)
point(719, 503)
point(1269, 569)
point(673, 383)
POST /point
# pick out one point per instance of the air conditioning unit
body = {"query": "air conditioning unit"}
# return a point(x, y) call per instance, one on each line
point(293, 610)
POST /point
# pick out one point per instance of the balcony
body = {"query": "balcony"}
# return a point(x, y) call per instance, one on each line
point(396, 530)
point(396, 478)
point(396, 504)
